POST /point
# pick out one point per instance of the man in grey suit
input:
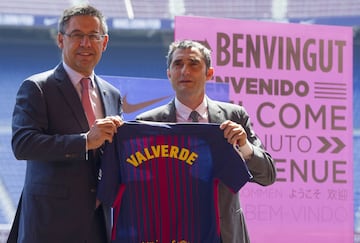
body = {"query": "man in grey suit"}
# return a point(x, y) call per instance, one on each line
point(188, 69)
point(62, 147)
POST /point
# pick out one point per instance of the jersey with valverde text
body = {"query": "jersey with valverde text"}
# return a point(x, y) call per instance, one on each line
point(161, 180)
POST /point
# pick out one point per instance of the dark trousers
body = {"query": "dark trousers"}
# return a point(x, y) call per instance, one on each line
point(97, 232)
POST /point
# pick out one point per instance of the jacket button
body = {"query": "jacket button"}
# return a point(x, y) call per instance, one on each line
point(93, 190)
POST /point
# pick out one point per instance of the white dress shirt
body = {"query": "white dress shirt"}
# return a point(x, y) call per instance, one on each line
point(183, 113)
point(75, 78)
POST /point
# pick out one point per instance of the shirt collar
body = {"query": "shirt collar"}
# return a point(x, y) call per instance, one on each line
point(75, 77)
point(183, 112)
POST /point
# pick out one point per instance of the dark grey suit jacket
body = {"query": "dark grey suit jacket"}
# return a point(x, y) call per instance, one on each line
point(59, 193)
point(261, 165)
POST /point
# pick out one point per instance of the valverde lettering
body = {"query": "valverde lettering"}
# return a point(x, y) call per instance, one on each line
point(162, 151)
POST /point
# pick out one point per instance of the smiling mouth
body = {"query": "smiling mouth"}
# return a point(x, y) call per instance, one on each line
point(185, 81)
point(85, 54)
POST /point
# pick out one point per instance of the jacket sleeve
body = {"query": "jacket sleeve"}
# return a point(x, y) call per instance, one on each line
point(37, 134)
point(261, 164)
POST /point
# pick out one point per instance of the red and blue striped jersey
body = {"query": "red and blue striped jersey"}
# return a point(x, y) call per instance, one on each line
point(161, 180)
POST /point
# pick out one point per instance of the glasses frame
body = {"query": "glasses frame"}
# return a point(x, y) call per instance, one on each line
point(79, 36)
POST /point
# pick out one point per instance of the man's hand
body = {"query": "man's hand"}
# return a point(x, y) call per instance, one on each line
point(233, 132)
point(103, 130)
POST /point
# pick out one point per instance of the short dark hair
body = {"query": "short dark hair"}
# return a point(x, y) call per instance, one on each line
point(80, 10)
point(184, 44)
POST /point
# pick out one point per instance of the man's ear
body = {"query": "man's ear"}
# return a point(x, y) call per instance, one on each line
point(210, 73)
point(60, 40)
point(105, 42)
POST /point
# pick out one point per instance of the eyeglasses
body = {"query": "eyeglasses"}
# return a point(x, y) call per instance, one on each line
point(79, 36)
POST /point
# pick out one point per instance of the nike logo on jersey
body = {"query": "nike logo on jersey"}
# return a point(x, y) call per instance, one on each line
point(130, 108)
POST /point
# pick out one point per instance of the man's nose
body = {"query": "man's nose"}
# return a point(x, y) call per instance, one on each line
point(85, 41)
point(185, 69)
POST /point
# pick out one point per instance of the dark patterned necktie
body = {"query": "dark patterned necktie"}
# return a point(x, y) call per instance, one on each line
point(194, 116)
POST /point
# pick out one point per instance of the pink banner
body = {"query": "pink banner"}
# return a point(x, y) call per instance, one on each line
point(296, 83)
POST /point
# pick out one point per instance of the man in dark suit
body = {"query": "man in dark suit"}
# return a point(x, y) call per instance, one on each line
point(188, 69)
point(53, 131)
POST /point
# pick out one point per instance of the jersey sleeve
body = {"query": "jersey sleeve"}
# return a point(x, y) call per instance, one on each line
point(229, 167)
point(109, 176)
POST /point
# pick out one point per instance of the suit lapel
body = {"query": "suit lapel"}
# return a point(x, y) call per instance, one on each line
point(216, 115)
point(105, 100)
point(169, 114)
point(71, 96)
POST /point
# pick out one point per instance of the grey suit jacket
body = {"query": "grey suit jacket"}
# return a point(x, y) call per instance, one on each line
point(232, 222)
point(59, 193)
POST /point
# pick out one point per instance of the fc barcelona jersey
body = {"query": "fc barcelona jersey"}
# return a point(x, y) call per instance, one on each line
point(161, 180)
